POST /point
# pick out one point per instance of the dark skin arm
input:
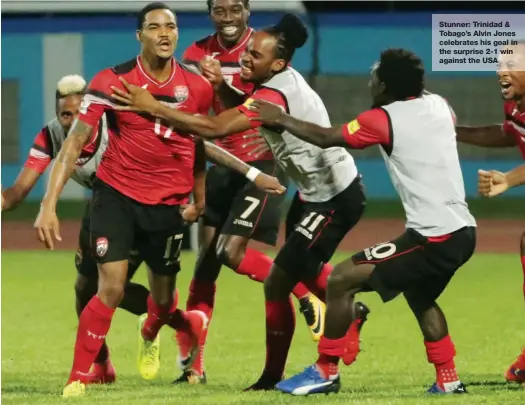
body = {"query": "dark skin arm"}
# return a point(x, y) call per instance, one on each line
point(14, 195)
point(490, 136)
point(230, 97)
point(192, 212)
point(273, 115)
point(65, 164)
point(140, 100)
point(263, 181)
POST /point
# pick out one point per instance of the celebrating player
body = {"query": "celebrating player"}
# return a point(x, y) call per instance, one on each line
point(46, 147)
point(511, 74)
point(415, 131)
point(236, 211)
point(332, 199)
point(146, 175)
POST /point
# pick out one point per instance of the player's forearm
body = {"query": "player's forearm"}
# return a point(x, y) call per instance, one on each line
point(311, 133)
point(490, 136)
point(65, 162)
point(199, 174)
point(201, 125)
point(13, 196)
point(516, 177)
point(219, 156)
point(229, 96)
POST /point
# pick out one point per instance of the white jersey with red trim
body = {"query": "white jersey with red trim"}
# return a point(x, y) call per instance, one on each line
point(423, 164)
point(319, 174)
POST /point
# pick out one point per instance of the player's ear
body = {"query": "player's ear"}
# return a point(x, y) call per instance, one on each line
point(278, 65)
point(139, 35)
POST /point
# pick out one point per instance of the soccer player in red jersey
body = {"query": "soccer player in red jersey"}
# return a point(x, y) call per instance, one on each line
point(236, 211)
point(511, 74)
point(146, 175)
point(46, 146)
point(332, 200)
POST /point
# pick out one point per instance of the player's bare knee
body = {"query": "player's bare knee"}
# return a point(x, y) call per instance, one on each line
point(231, 249)
point(340, 280)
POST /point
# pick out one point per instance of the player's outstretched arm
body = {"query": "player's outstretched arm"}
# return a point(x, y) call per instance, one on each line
point(273, 115)
point(492, 183)
point(490, 136)
point(516, 177)
point(221, 157)
point(14, 195)
point(47, 224)
point(138, 99)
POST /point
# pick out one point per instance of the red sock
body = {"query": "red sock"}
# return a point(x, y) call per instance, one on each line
point(93, 326)
point(158, 316)
point(441, 354)
point(280, 326)
point(103, 354)
point(330, 351)
point(523, 268)
point(318, 286)
point(202, 298)
point(300, 291)
point(257, 265)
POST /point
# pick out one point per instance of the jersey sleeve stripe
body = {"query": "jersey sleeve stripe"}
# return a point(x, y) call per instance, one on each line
point(389, 147)
point(38, 153)
point(282, 95)
point(42, 149)
point(98, 97)
point(49, 141)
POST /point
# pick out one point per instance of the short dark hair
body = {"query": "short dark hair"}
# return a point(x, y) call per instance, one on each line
point(291, 33)
point(141, 17)
point(209, 3)
point(402, 72)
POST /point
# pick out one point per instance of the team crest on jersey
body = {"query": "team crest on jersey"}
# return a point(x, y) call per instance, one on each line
point(181, 93)
point(353, 127)
point(101, 247)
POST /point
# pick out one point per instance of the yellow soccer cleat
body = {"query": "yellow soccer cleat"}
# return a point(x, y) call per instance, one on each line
point(313, 310)
point(148, 354)
point(74, 389)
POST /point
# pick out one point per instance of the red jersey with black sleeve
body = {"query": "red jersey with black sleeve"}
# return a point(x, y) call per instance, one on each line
point(371, 127)
point(514, 123)
point(147, 160)
point(231, 70)
point(265, 94)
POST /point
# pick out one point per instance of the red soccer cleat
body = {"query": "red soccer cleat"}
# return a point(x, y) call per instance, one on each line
point(353, 342)
point(188, 340)
point(102, 373)
point(516, 371)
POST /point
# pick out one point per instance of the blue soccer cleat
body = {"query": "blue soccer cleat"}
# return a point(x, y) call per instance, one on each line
point(309, 382)
point(460, 389)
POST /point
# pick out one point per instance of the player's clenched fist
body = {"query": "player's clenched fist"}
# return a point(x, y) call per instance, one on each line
point(47, 227)
point(491, 183)
point(269, 184)
point(211, 70)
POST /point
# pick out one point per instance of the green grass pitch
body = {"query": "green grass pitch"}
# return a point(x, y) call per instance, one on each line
point(484, 305)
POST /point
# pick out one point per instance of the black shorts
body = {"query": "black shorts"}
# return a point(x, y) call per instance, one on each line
point(235, 206)
point(120, 224)
point(319, 228)
point(84, 261)
point(416, 265)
